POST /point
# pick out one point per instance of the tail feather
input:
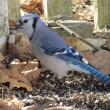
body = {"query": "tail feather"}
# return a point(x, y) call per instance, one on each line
point(87, 67)
point(92, 70)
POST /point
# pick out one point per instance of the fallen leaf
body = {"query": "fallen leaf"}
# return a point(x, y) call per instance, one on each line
point(31, 70)
point(33, 6)
point(20, 74)
point(14, 78)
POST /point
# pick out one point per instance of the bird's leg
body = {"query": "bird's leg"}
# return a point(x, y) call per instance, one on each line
point(39, 65)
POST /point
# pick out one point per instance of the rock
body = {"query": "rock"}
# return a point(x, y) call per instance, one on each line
point(106, 46)
point(83, 28)
point(11, 39)
point(101, 60)
point(81, 46)
point(11, 42)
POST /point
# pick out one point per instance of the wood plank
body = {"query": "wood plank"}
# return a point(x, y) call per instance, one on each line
point(58, 7)
point(14, 9)
point(102, 13)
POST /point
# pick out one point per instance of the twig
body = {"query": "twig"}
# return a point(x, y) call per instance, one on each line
point(71, 32)
point(2, 93)
point(60, 108)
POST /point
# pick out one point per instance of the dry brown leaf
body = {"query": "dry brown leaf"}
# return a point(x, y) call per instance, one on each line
point(15, 79)
point(33, 6)
point(21, 74)
point(31, 71)
point(83, 10)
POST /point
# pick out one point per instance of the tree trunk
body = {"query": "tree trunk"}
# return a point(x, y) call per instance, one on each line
point(14, 9)
point(4, 28)
point(101, 13)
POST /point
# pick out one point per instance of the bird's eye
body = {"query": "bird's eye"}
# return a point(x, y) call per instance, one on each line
point(25, 21)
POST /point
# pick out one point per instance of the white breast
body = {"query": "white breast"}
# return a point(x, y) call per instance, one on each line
point(56, 65)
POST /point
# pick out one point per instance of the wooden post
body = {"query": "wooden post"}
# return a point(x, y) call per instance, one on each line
point(14, 9)
point(101, 13)
point(45, 9)
point(53, 8)
point(4, 28)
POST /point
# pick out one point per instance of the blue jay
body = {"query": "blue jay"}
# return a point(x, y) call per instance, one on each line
point(54, 54)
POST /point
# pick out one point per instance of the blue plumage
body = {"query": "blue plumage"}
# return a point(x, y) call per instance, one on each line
point(53, 52)
point(69, 51)
point(92, 70)
point(70, 55)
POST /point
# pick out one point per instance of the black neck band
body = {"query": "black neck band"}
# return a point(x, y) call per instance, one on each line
point(34, 27)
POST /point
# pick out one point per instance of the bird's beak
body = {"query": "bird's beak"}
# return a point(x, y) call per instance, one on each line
point(18, 26)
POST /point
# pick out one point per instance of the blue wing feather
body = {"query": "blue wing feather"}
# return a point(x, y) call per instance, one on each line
point(92, 70)
point(72, 56)
point(71, 52)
